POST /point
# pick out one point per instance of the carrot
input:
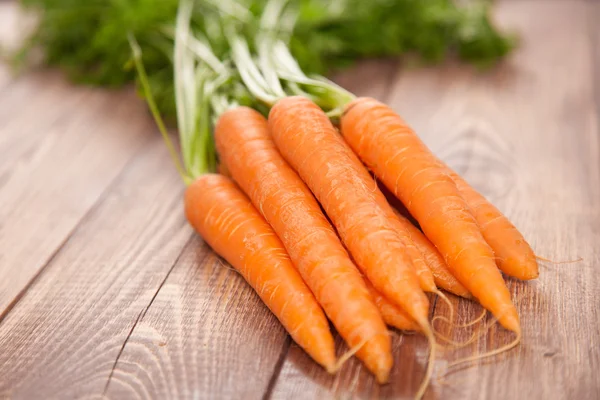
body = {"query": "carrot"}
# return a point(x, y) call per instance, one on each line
point(392, 314)
point(229, 223)
point(442, 276)
point(514, 256)
point(408, 168)
point(307, 140)
point(247, 150)
point(424, 274)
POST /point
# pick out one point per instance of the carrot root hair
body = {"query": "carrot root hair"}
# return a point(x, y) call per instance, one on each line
point(428, 331)
point(348, 355)
point(224, 265)
point(488, 354)
point(578, 259)
point(447, 301)
point(465, 325)
point(453, 345)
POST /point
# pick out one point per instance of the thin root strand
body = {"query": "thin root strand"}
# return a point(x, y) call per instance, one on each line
point(578, 259)
point(347, 355)
point(476, 335)
point(484, 355)
point(447, 301)
point(428, 331)
point(466, 325)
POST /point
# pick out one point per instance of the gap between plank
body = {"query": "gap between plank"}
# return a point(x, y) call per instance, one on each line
point(278, 367)
point(115, 181)
point(143, 312)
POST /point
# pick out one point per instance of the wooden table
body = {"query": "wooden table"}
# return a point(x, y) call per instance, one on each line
point(105, 291)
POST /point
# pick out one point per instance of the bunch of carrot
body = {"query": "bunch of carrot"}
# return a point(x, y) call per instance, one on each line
point(297, 212)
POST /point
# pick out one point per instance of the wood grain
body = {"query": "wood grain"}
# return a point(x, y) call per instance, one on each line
point(61, 147)
point(369, 77)
point(207, 335)
point(526, 135)
point(63, 337)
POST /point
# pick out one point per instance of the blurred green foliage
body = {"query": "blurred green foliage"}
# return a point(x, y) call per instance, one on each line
point(88, 39)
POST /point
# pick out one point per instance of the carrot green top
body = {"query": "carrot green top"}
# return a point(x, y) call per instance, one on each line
point(205, 86)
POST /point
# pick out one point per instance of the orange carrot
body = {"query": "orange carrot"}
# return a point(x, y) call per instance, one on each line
point(229, 223)
point(514, 256)
point(408, 168)
point(442, 276)
point(309, 142)
point(424, 274)
point(392, 314)
point(249, 153)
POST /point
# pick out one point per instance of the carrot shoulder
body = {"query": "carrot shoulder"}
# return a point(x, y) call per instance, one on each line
point(408, 168)
point(513, 254)
point(229, 223)
point(248, 151)
point(309, 142)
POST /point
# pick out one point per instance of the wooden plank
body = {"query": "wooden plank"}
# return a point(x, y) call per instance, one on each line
point(526, 135)
point(369, 77)
point(300, 378)
point(206, 335)
point(61, 147)
point(62, 339)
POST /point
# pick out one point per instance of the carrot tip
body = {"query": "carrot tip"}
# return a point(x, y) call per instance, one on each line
point(511, 322)
point(382, 376)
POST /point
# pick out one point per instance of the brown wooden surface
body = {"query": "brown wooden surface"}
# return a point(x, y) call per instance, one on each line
point(106, 292)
